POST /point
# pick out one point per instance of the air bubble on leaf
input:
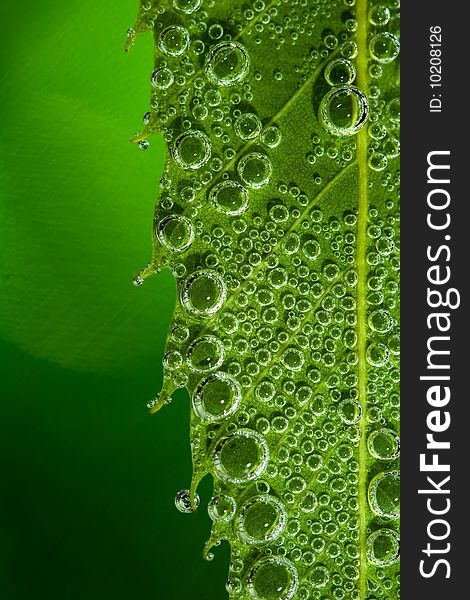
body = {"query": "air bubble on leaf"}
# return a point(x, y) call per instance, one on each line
point(241, 457)
point(175, 232)
point(186, 6)
point(377, 355)
point(162, 78)
point(183, 502)
point(384, 47)
point(205, 354)
point(349, 411)
point(192, 149)
point(384, 444)
point(380, 321)
point(216, 397)
point(174, 40)
point(293, 359)
point(273, 578)
point(343, 111)
point(255, 169)
point(319, 576)
point(271, 136)
point(222, 508)
point(340, 72)
point(203, 293)
point(261, 520)
point(227, 63)
point(229, 197)
point(383, 547)
point(247, 126)
point(384, 495)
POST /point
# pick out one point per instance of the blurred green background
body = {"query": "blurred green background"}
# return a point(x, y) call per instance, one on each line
point(88, 478)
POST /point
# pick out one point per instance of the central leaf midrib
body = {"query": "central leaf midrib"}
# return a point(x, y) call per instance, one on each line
point(361, 64)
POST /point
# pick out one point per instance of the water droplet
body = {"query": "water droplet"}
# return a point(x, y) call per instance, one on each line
point(229, 197)
point(273, 578)
point(319, 576)
point(308, 503)
point(384, 444)
point(383, 547)
point(247, 126)
point(378, 161)
point(393, 110)
point(175, 232)
point(183, 501)
point(379, 15)
point(161, 78)
point(384, 495)
point(343, 111)
point(186, 6)
point(380, 321)
point(216, 397)
point(204, 293)
point(340, 72)
point(174, 40)
point(255, 169)
point(377, 355)
point(227, 63)
point(293, 359)
point(349, 411)
point(384, 47)
point(222, 508)
point(241, 457)
point(192, 150)
point(261, 520)
point(311, 249)
point(205, 354)
point(271, 136)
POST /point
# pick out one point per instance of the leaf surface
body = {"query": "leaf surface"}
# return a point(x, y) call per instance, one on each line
point(278, 215)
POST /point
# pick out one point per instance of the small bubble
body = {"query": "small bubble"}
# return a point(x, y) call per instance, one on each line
point(384, 444)
point(183, 502)
point(205, 354)
point(273, 578)
point(343, 111)
point(229, 197)
point(216, 397)
point(379, 15)
point(384, 47)
point(186, 6)
point(175, 232)
point(261, 520)
point(222, 508)
point(204, 293)
point(340, 72)
point(192, 149)
point(174, 40)
point(319, 576)
point(271, 136)
point(161, 78)
point(383, 547)
point(227, 63)
point(247, 126)
point(384, 495)
point(255, 169)
point(241, 457)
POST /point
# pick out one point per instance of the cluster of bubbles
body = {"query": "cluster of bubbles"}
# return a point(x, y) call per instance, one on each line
point(265, 332)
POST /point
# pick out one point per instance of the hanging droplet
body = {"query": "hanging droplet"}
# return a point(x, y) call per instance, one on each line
point(183, 501)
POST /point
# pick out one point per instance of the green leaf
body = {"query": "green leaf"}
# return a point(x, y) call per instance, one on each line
point(278, 215)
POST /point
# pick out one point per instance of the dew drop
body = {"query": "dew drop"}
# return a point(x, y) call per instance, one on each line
point(384, 495)
point(222, 508)
point(247, 126)
point(273, 578)
point(161, 78)
point(205, 354)
point(174, 40)
point(340, 72)
point(175, 232)
point(343, 111)
point(383, 547)
point(241, 457)
point(216, 397)
point(293, 359)
point(255, 169)
point(377, 355)
point(308, 503)
point(349, 411)
point(203, 294)
point(384, 444)
point(227, 63)
point(319, 576)
point(186, 6)
point(384, 47)
point(229, 197)
point(261, 520)
point(271, 136)
point(183, 501)
point(192, 149)
point(380, 321)
point(379, 15)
